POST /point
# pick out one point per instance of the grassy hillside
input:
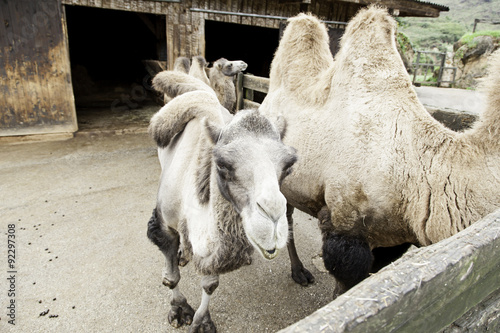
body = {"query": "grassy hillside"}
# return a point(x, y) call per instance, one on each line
point(442, 32)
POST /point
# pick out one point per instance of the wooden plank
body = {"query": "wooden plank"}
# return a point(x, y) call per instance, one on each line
point(256, 83)
point(424, 291)
point(247, 104)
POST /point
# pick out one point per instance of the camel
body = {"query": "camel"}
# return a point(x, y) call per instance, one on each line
point(219, 195)
point(374, 167)
point(221, 76)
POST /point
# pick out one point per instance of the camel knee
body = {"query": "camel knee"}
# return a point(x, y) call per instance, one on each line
point(347, 258)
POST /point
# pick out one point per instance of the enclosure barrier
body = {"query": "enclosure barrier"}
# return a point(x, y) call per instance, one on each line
point(419, 67)
point(450, 286)
point(454, 282)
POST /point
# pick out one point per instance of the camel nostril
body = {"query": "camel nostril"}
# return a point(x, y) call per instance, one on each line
point(271, 251)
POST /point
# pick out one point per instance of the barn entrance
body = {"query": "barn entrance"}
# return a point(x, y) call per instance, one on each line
point(108, 51)
point(253, 45)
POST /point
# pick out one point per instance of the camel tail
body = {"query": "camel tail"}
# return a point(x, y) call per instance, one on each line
point(174, 116)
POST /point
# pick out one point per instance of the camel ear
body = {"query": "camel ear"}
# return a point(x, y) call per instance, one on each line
point(280, 123)
point(212, 130)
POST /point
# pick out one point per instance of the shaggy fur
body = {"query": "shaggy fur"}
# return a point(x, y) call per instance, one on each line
point(386, 171)
point(221, 76)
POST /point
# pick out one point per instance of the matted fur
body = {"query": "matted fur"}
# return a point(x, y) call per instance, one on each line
point(368, 149)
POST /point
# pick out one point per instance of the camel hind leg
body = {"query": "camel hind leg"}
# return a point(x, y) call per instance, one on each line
point(299, 273)
point(168, 242)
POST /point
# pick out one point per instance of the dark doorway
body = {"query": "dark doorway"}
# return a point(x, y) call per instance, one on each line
point(107, 49)
point(253, 45)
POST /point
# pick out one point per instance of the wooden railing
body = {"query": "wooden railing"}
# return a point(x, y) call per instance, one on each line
point(246, 84)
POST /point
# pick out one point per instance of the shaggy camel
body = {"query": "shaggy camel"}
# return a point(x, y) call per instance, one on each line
point(219, 195)
point(374, 167)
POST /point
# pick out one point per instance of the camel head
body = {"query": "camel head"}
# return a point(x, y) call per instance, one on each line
point(249, 163)
point(230, 68)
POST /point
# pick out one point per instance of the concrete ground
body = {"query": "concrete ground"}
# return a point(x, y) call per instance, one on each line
point(79, 209)
point(451, 99)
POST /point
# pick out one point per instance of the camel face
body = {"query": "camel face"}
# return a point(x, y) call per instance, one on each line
point(230, 68)
point(253, 188)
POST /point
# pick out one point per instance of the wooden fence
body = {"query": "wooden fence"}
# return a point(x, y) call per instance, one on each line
point(432, 61)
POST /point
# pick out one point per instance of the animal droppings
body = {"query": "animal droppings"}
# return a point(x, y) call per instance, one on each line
point(44, 313)
point(53, 316)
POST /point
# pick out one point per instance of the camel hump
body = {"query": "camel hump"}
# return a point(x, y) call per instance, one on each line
point(372, 28)
point(303, 59)
point(198, 69)
point(182, 64)
point(174, 116)
point(492, 82)
point(174, 83)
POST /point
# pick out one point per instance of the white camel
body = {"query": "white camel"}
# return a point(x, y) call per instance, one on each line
point(219, 195)
point(374, 166)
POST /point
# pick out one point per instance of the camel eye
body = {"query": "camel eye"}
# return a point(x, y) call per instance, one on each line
point(223, 168)
point(288, 167)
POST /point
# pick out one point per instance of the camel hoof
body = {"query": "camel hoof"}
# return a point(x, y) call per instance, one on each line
point(302, 276)
point(180, 315)
point(206, 325)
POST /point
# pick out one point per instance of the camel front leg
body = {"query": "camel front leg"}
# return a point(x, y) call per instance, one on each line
point(299, 273)
point(167, 240)
point(202, 322)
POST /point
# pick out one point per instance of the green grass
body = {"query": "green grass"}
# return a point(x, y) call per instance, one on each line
point(467, 38)
point(442, 32)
